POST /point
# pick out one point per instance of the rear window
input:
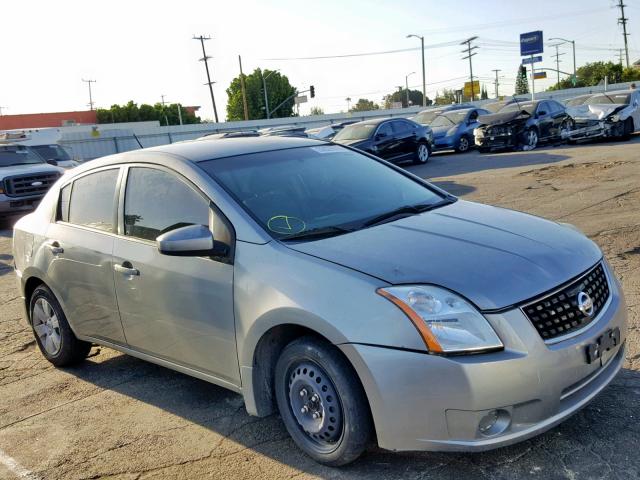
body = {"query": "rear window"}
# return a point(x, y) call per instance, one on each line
point(92, 200)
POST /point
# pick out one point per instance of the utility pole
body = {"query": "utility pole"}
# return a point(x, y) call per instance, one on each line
point(348, 100)
point(623, 21)
point(573, 46)
point(244, 91)
point(620, 55)
point(164, 112)
point(424, 78)
point(406, 83)
point(206, 66)
point(90, 97)
point(557, 57)
point(470, 53)
point(496, 83)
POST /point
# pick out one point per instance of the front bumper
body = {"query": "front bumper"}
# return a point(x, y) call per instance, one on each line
point(488, 140)
point(18, 205)
point(431, 402)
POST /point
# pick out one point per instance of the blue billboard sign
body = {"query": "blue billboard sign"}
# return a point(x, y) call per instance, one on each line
point(531, 59)
point(531, 43)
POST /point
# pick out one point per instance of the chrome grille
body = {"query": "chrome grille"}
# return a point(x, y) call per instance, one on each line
point(558, 314)
point(26, 185)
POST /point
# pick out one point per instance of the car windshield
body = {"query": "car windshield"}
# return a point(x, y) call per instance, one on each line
point(11, 155)
point(309, 189)
point(528, 107)
point(574, 102)
point(425, 118)
point(52, 152)
point(449, 119)
point(355, 132)
point(603, 99)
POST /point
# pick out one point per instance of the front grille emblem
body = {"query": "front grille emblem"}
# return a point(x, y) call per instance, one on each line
point(36, 184)
point(585, 304)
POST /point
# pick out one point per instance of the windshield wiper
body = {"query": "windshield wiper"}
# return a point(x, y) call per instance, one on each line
point(320, 232)
point(406, 210)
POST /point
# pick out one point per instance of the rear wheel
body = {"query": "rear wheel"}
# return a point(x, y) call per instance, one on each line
point(53, 335)
point(322, 403)
point(463, 144)
point(422, 153)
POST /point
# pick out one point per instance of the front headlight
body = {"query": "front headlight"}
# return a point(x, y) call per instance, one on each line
point(446, 322)
point(615, 118)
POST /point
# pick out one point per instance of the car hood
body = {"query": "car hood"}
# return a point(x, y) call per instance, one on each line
point(28, 169)
point(494, 257)
point(505, 117)
point(593, 112)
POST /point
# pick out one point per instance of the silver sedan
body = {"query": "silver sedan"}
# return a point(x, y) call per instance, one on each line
point(354, 298)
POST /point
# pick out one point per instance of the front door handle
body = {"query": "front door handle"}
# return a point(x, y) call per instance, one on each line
point(54, 247)
point(126, 269)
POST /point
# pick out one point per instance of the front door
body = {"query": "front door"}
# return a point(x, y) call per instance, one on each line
point(81, 244)
point(176, 308)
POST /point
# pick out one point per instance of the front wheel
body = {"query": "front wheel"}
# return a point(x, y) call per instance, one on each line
point(422, 153)
point(463, 144)
point(530, 139)
point(322, 403)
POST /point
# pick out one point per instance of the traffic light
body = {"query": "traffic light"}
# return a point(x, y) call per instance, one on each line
point(312, 91)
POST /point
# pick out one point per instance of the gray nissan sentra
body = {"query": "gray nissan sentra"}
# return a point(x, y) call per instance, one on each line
point(357, 300)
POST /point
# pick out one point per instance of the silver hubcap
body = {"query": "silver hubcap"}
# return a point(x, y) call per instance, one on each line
point(423, 153)
point(314, 403)
point(532, 140)
point(46, 326)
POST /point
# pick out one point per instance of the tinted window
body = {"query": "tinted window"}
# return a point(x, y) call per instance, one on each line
point(515, 107)
point(385, 129)
point(156, 202)
point(400, 126)
point(63, 204)
point(301, 189)
point(543, 107)
point(92, 198)
point(355, 132)
point(427, 117)
point(556, 107)
point(52, 152)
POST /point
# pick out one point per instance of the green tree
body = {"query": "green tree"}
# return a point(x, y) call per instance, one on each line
point(484, 95)
point(278, 90)
point(316, 111)
point(415, 98)
point(364, 105)
point(593, 73)
point(447, 97)
point(130, 112)
point(522, 84)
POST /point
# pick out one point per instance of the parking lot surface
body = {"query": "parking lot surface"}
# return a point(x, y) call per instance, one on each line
point(116, 417)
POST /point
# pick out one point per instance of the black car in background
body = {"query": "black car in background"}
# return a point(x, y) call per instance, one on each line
point(394, 139)
point(523, 125)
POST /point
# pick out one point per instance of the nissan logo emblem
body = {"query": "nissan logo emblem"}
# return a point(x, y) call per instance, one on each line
point(585, 304)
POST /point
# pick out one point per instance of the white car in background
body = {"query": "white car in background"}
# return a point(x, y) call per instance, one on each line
point(607, 114)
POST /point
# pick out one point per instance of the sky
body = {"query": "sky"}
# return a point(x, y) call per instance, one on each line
point(139, 50)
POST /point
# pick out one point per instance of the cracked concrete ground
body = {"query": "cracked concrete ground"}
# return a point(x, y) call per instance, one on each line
point(116, 417)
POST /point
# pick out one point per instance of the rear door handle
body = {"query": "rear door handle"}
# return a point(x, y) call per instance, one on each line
point(126, 269)
point(55, 247)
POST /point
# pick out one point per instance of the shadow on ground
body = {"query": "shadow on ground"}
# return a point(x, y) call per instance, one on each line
point(454, 188)
point(601, 441)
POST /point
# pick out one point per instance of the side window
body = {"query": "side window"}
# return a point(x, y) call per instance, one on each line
point(400, 126)
point(156, 202)
point(63, 204)
point(543, 107)
point(473, 116)
point(385, 128)
point(92, 200)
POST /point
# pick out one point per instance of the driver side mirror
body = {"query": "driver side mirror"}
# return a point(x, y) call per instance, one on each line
point(380, 135)
point(53, 162)
point(190, 241)
point(542, 113)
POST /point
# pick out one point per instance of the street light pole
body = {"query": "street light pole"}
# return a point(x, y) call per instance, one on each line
point(406, 85)
point(424, 80)
point(264, 88)
point(573, 46)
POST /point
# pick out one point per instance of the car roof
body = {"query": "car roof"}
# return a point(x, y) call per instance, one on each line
point(377, 121)
point(198, 151)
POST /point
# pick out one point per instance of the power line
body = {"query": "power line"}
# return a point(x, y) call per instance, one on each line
point(470, 53)
point(496, 83)
point(623, 21)
point(206, 66)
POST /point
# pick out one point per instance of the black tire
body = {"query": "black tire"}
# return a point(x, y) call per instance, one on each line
point(530, 139)
point(308, 367)
point(70, 350)
point(419, 157)
point(464, 144)
point(628, 129)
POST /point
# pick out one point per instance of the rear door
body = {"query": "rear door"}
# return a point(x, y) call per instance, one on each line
point(81, 269)
point(179, 309)
point(407, 137)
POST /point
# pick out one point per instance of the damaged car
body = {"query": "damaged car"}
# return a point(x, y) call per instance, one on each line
point(523, 126)
point(606, 115)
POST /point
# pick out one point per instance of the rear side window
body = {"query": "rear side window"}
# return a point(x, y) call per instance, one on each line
point(400, 126)
point(385, 129)
point(63, 204)
point(92, 200)
point(157, 202)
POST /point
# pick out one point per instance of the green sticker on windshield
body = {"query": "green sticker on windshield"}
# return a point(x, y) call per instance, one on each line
point(286, 225)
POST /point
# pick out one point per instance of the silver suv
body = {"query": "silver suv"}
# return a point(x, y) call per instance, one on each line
point(354, 298)
point(24, 179)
